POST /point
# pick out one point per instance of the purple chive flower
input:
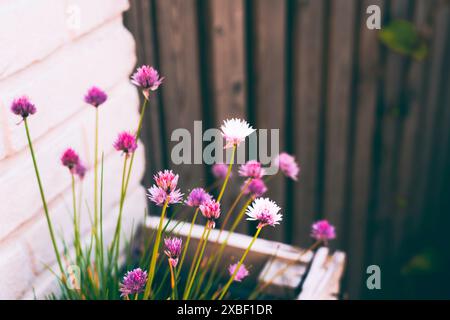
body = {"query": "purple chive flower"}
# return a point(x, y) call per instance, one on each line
point(265, 211)
point(147, 78)
point(133, 282)
point(287, 165)
point(251, 169)
point(126, 142)
point(197, 197)
point(256, 187)
point(80, 170)
point(219, 170)
point(241, 274)
point(70, 159)
point(210, 210)
point(22, 107)
point(166, 180)
point(322, 230)
point(95, 96)
point(159, 196)
point(173, 249)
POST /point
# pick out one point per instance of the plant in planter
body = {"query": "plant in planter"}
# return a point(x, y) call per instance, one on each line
point(211, 270)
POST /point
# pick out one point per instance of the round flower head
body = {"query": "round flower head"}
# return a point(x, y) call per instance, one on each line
point(287, 165)
point(210, 210)
point(70, 159)
point(159, 196)
point(256, 187)
point(251, 169)
point(133, 282)
point(235, 131)
point(197, 197)
point(22, 107)
point(323, 230)
point(80, 170)
point(147, 78)
point(265, 211)
point(219, 170)
point(241, 274)
point(95, 96)
point(166, 179)
point(126, 142)
point(173, 249)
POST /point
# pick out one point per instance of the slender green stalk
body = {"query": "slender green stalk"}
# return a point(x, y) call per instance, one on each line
point(173, 282)
point(194, 260)
point(76, 227)
point(96, 181)
point(230, 281)
point(151, 269)
point(189, 287)
point(44, 201)
point(225, 182)
point(188, 239)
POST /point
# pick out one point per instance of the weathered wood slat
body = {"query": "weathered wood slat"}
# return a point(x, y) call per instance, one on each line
point(270, 86)
point(362, 163)
point(308, 100)
point(338, 112)
point(179, 60)
point(229, 89)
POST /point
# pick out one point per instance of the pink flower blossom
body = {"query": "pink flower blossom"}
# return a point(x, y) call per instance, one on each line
point(241, 274)
point(80, 170)
point(95, 96)
point(126, 142)
point(70, 158)
point(147, 78)
point(235, 131)
point(256, 187)
point(219, 170)
point(251, 169)
point(210, 210)
point(173, 249)
point(197, 197)
point(287, 165)
point(159, 196)
point(133, 282)
point(265, 211)
point(323, 230)
point(23, 107)
point(166, 179)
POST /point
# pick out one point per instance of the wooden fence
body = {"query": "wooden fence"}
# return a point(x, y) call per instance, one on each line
point(369, 127)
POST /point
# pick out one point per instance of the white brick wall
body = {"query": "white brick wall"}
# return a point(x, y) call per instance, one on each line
point(54, 64)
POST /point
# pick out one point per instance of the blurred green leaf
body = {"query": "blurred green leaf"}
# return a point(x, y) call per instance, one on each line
point(402, 37)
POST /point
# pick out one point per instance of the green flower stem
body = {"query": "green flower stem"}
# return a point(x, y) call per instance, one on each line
point(76, 225)
point(96, 182)
point(151, 274)
point(189, 287)
point(44, 201)
point(173, 282)
point(227, 286)
point(188, 239)
point(225, 182)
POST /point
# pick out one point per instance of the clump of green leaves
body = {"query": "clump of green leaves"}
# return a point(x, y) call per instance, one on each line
point(403, 37)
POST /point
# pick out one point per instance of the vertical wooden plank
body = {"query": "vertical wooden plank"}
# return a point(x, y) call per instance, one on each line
point(393, 101)
point(339, 104)
point(227, 50)
point(411, 130)
point(308, 99)
point(269, 55)
point(178, 53)
point(362, 161)
point(428, 124)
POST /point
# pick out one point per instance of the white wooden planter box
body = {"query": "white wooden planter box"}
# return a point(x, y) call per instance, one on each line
point(314, 276)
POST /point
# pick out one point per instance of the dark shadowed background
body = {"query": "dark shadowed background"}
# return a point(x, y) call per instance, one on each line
point(367, 115)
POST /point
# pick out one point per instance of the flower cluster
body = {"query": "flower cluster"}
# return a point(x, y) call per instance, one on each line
point(265, 211)
point(255, 187)
point(133, 282)
point(147, 78)
point(71, 160)
point(23, 107)
point(125, 142)
point(235, 131)
point(210, 210)
point(251, 169)
point(197, 197)
point(240, 274)
point(165, 189)
point(287, 164)
point(95, 96)
point(173, 249)
point(322, 230)
point(219, 170)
